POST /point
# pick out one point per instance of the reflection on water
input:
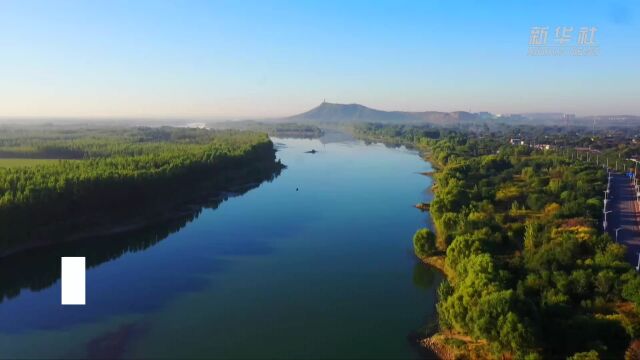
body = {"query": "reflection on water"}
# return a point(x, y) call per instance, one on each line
point(39, 268)
point(424, 277)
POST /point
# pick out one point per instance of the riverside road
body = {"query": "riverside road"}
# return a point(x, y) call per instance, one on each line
point(624, 216)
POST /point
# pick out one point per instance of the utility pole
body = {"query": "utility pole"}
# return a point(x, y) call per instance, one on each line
point(604, 224)
point(635, 182)
point(617, 230)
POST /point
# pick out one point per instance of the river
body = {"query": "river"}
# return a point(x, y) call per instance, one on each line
point(314, 263)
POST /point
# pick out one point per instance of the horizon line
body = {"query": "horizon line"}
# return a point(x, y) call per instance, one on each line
point(263, 117)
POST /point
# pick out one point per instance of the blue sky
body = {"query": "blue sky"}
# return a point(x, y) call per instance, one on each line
point(236, 59)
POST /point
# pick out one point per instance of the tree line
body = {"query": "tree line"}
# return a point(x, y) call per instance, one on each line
point(114, 170)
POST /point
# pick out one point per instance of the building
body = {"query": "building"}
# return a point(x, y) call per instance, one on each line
point(543, 146)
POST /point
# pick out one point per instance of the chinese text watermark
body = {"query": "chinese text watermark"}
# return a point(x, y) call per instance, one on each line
point(563, 41)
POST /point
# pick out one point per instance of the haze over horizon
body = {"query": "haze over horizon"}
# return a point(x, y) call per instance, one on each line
point(255, 59)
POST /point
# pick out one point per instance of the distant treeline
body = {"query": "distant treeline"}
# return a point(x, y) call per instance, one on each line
point(398, 134)
point(283, 130)
point(557, 135)
point(110, 171)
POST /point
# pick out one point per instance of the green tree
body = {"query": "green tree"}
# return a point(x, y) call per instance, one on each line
point(631, 290)
point(591, 355)
point(424, 242)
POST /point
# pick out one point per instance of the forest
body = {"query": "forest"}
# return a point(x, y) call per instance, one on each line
point(277, 129)
point(530, 274)
point(96, 175)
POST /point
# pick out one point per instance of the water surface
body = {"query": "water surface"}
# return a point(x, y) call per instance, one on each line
point(316, 263)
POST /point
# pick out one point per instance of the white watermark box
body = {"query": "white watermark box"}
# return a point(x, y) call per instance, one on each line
point(73, 280)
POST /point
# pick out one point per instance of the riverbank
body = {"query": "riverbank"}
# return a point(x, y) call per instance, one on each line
point(118, 175)
point(447, 345)
point(443, 344)
point(462, 211)
point(183, 200)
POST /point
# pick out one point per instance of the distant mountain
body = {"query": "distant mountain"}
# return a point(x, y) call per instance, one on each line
point(356, 113)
